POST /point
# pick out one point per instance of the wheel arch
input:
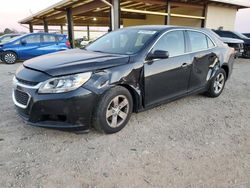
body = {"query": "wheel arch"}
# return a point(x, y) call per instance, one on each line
point(135, 96)
point(226, 69)
point(13, 51)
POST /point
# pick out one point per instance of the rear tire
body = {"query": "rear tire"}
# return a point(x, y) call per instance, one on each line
point(113, 110)
point(9, 57)
point(217, 84)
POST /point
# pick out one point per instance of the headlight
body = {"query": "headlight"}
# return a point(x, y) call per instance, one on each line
point(64, 83)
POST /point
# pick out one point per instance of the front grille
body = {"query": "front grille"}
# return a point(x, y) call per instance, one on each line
point(21, 97)
point(29, 83)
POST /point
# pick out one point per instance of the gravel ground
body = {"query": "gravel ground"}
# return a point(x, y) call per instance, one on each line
point(193, 142)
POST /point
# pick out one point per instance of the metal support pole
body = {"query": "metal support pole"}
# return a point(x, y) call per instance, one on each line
point(70, 27)
point(204, 14)
point(110, 19)
point(88, 33)
point(46, 27)
point(116, 14)
point(167, 18)
point(31, 27)
point(61, 29)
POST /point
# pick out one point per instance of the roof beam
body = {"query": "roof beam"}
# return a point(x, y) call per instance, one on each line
point(152, 2)
point(163, 2)
point(106, 14)
point(162, 14)
point(78, 10)
point(87, 7)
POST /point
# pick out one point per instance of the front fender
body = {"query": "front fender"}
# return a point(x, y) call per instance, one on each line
point(125, 75)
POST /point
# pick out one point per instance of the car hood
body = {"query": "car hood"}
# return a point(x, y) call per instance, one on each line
point(232, 40)
point(74, 61)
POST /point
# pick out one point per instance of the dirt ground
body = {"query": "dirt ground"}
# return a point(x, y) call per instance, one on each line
point(193, 142)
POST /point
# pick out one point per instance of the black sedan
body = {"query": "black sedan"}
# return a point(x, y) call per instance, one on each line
point(124, 71)
point(236, 35)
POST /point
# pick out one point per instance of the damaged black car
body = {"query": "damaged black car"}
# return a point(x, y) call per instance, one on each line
point(125, 71)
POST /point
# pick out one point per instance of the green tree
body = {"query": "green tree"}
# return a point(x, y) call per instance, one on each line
point(7, 31)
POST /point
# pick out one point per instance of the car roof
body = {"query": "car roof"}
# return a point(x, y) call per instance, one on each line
point(29, 34)
point(163, 27)
point(43, 33)
point(39, 33)
point(218, 30)
point(151, 27)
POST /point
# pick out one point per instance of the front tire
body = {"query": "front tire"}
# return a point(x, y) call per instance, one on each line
point(217, 84)
point(113, 110)
point(9, 57)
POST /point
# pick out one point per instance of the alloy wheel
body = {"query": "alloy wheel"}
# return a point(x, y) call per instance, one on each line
point(10, 58)
point(117, 111)
point(219, 83)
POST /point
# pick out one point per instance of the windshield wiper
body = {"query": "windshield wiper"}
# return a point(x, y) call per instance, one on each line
point(97, 51)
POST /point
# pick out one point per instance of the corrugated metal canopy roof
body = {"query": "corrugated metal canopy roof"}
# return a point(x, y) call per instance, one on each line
point(84, 10)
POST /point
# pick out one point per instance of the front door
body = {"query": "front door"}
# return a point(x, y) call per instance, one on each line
point(167, 78)
point(30, 46)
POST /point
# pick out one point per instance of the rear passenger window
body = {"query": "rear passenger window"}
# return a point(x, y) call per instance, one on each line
point(173, 42)
point(199, 41)
point(59, 38)
point(49, 38)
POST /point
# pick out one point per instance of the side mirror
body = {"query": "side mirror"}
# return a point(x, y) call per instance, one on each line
point(23, 42)
point(158, 54)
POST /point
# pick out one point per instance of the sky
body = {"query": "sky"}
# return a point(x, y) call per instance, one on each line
point(11, 11)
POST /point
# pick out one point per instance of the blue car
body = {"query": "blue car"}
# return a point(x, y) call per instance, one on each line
point(32, 45)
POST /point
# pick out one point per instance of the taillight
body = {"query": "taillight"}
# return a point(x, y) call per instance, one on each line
point(67, 44)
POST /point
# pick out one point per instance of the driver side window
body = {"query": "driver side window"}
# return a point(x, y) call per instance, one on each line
point(32, 39)
point(173, 42)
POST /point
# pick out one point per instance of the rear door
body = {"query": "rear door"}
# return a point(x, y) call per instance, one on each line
point(49, 44)
point(29, 46)
point(203, 58)
point(167, 78)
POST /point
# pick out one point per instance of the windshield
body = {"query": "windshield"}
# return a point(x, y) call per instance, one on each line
point(7, 38)
point(15, 38)
point(241, 35)
point(124, 41)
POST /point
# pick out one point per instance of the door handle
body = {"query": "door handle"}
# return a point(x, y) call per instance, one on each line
point(184, 65)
